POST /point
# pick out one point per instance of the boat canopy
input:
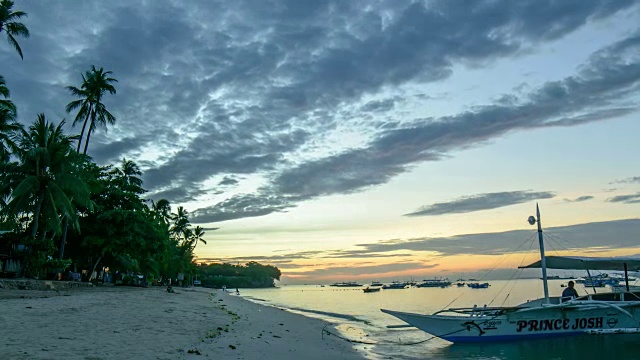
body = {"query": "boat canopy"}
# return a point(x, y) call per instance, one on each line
point(587, 263)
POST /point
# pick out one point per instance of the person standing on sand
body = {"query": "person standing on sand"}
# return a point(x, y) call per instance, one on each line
point(237, 291)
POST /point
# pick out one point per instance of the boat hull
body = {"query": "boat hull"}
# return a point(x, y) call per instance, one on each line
point(519, 324)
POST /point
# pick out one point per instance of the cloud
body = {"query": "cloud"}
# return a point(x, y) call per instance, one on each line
point(631, 180)
point(225, 89)
point(240, 206)
point(626, 199)
point(579, 199)
point(606, 235)
point(481, 202)
point(228, 181)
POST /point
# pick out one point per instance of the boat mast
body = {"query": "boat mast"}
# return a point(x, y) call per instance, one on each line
point(543, 260)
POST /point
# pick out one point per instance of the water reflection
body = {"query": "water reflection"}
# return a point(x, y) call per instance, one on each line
point(567, 348)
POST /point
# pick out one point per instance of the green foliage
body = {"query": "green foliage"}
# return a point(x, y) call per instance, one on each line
point(10, 26)
point(53, 198)
point(250, 275)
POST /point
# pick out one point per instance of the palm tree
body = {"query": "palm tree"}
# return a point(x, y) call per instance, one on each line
point(91, 109)
point(131, 171)
point(162, 209)
point(48, 180)
point(197, 236)
point(8, 131)
point(8, 126)
point(10, 26)
point(180, 224)
point(5, 103)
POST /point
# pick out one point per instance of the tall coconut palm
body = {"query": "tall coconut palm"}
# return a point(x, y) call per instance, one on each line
point(9, 25)
point(92, 111)
point(48, 179)
point(197, 236)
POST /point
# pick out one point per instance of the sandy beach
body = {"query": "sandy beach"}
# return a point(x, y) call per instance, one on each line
point(149, 323)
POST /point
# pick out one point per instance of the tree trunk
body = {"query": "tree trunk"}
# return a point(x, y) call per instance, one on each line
point(94, 268)
point(84, 125)
point(36, 214)
point(64, 237)
point(86, 143)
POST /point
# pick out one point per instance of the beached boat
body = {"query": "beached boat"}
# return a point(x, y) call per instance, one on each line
point(603, 313)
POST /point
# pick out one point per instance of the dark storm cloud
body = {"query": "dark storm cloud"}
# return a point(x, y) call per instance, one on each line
point(480, 202)
point(626, 199)
point(604, 235)
point(229, 88)
point(580, 199)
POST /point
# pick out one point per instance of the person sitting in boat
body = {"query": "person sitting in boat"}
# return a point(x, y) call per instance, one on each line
point(570, 292)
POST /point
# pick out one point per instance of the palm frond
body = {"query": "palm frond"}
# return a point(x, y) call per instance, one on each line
point(14, 43)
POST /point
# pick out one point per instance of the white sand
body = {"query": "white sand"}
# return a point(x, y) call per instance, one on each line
point(135, 323)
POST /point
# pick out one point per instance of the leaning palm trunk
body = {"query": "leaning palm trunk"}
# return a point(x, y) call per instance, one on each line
point(84, 125)
point(86, 143)
point(95, 265)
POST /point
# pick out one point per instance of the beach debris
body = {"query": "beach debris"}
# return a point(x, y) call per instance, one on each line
point(194, 351)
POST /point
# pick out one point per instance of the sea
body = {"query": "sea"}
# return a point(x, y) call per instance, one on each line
point(358, 318)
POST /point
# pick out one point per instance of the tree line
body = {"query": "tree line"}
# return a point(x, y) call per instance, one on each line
point(60, 210)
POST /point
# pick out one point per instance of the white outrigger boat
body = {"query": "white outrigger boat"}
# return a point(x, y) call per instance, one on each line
point(547, 317)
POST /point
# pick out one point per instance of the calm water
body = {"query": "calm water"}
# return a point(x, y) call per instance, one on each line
point(360, 319)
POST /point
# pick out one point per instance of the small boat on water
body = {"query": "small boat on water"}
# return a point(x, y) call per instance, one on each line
point(395, 285)
point(371, 289)
point(558, 277)
point(346, 284)
point(477, 285)
point(434, 283)
point(600, 313)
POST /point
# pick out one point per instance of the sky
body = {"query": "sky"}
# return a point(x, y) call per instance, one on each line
point(360, 140)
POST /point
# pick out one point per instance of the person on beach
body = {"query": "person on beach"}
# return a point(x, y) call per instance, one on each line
point(569, 293)
point(237, 291)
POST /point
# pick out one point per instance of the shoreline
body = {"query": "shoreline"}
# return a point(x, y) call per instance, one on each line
point(149, 323)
